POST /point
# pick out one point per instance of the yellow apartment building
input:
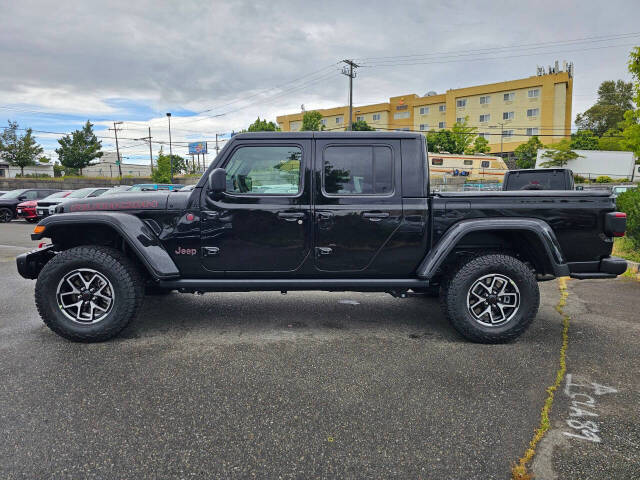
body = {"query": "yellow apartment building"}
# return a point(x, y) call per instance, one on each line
point(507, 113)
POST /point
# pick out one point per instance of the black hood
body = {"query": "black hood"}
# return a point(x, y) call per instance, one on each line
point(118, 202)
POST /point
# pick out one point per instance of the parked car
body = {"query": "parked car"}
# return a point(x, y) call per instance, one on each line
point(152, 187)
point(330, 211)
point(47, 207)
point(118, 189)
point(27, 210)
point(2, 192)
point(538, 179)
point(618, 189)
point(10, 200)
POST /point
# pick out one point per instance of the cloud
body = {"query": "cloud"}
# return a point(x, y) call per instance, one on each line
point(134, 61)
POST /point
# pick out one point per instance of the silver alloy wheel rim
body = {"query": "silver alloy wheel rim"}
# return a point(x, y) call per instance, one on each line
point(85, 296)
point(493, 300)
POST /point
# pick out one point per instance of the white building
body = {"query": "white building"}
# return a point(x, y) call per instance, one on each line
point(595, 163)
point(106, 167)
point(10, 171)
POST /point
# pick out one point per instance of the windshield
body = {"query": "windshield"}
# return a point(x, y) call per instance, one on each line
point(13, 194)
point(541, 180)
point(83, 192)
point(57, 195)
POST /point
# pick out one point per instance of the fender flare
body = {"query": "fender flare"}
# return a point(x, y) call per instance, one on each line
point(541, 229)
point(136, 233)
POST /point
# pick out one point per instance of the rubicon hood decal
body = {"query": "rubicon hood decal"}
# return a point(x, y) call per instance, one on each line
point(141, 201)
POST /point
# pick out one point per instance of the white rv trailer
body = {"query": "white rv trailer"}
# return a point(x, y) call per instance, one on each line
point(591, 164)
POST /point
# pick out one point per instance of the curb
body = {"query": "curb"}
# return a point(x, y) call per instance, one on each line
point(633, 267)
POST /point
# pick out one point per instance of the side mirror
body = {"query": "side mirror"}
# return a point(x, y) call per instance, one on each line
point(22, 197)
point(217, 182)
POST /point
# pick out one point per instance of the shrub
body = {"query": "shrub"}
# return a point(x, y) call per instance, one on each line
point(580, 179)
point(604, 179)
point(33, 175)
point(629, 203)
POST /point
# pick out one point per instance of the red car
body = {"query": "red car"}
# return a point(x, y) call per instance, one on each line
point(27, 210)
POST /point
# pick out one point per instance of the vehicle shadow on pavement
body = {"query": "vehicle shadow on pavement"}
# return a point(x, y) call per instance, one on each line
point(274, 316)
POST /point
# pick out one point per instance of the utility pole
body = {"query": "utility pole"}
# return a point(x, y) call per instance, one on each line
point(349, 72)
point(150, 151)
point(501, 137)
point(119, 161)
point(170, 151)
point(217, 147)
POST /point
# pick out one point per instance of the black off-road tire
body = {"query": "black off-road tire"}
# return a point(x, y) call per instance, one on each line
point(128, 292)
point(6, 215)
point(455, 288)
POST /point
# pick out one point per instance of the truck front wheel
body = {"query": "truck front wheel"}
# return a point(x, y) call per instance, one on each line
point(491, 299)
point(89, 294)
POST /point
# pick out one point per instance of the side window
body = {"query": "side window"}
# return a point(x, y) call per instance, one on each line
point(484, 164)
point(265, 170)
point(97, 193)
point(436, 161)
point(357, 170)
point(31, 194)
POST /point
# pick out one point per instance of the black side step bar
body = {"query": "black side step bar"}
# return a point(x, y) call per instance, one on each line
point(278, 284)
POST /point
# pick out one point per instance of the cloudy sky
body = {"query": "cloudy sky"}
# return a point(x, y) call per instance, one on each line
point(218, 65)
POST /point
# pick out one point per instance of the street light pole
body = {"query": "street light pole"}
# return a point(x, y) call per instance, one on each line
point(170, 150)
point(119, 160)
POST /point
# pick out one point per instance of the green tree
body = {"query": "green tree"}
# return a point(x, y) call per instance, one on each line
point(559, 156)
point(631, 124)
point(611, 140)
point(361, 125)
point(19, 151)
point(463, 135)
point(441, 141)
point(480, 145)
point(162, 171)
point(614, 98)
point(44, 159)
point(584, 140)
point(263, 126)
point(312, 121)
point(457, 140)
point(527, 153)
point(78, 149)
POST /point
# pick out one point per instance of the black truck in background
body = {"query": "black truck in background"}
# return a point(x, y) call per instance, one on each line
point(538, 179)
point(331, 211)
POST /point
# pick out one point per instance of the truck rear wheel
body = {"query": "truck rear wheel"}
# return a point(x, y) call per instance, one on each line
point(491, 299)
point(89, 294)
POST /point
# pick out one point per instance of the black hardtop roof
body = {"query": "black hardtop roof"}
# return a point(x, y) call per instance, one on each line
point(369, 134)
point(528, 170)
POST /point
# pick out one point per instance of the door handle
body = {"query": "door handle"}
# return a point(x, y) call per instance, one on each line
point(324, 215)
point(291, 216)
point(324, 250)
point(375, 216)
point(211, 213)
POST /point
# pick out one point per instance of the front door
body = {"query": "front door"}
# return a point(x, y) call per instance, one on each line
point(358, 201)
point(262, 223)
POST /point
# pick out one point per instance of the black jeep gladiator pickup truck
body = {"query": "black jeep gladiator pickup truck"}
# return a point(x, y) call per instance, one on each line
point(320, 211)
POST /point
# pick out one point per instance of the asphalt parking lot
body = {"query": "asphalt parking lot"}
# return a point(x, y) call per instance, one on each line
point(316, 385)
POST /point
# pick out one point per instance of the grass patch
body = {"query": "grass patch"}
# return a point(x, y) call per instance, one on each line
point(623, 247)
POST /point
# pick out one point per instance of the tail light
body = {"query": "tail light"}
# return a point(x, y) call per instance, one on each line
point(615, 224)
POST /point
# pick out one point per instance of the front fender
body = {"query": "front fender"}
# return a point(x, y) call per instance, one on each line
point(136, 233)
point(453, 235)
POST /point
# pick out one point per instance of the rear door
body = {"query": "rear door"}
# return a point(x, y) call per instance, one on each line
point(358, 201)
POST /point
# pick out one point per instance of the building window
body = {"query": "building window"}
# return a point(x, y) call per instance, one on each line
point(483, 135)
point(401, 107)
point(461, 103)
point(424, 110)
point(360, 118)
point(264, 170)
point(400, 115)
point(533, 112)
point(436, 161)
point(508, 133)
point(324, 122)
point(404, 129)
point(424, 126)
point(442, 108)
point(294, 126)
point(442, 125)
point(468, 162)
point(338, 119)
point(485, 118)
point(534, 93)
point(460, 120)
point(508, 97)
point(355, 170)
point(485, 99)
point(508, 115)
point(485, 164)
point(376, 117)
point(532, 131)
